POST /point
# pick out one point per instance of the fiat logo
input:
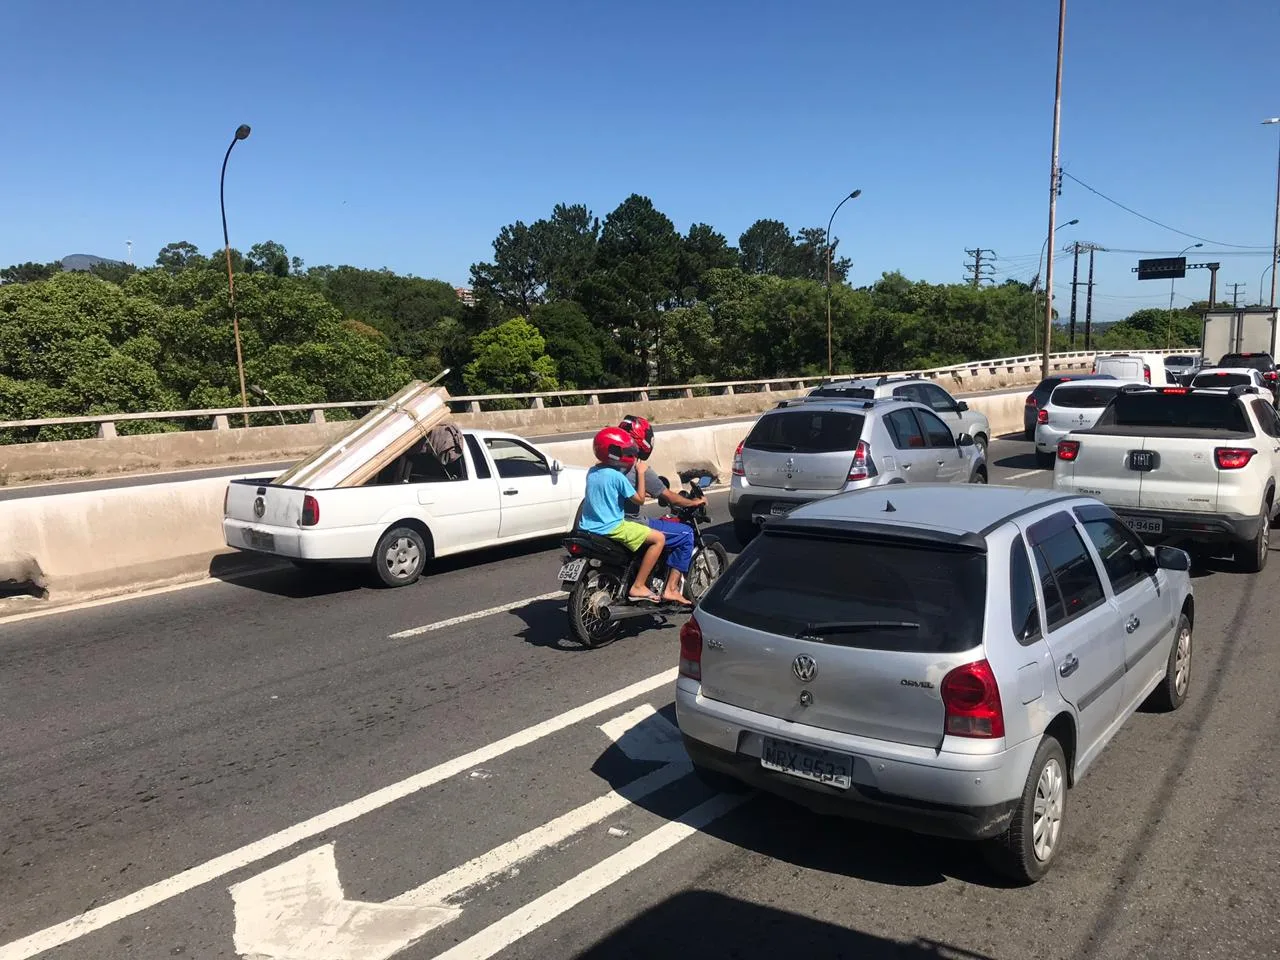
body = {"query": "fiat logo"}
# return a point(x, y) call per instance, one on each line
point(259, 507)
point(804, 667)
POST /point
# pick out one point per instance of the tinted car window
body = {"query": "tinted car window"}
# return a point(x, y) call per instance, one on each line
point(1068, 576)
point(937, 398)
point(1211, 380)
point(786, 581)
point(1194, 410)
point(905, 431)
point(806, 431)
point(515, 460)
point(1267, 418)
point(937, 432)
point(1258, 361)
point(1121, 552)
point(1023, 611)
point(1082, 395)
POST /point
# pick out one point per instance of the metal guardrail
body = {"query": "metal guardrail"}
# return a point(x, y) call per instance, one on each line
point(106, 422)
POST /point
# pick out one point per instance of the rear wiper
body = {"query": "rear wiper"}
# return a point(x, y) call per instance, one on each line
point(825, 627)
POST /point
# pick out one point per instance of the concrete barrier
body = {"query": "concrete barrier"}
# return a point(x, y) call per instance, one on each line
point(79, 546)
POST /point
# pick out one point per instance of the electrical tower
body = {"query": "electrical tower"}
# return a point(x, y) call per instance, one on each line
point(982, 267)
point(1235, 292)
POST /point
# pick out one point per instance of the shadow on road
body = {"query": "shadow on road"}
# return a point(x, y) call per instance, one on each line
point(1019, 461)
point(703, 923)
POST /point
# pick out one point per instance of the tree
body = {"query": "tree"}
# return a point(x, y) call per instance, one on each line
point(29, 272)
point(702, 250)
point(182, 255)
point(532, 263)
point(513, 279)
point(510, 358)
point(583, 354)
point(810, 257)
point(268, 257)
point(766, 247)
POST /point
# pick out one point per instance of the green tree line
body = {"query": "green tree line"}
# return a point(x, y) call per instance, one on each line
point(566, 302)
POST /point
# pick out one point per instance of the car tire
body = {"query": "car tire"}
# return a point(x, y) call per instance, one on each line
point(1028, 433)
point(1045, 461)
point(1172, 692)
point(1019, 853)
point(980, 441)
point(744, 530)
point(400, 557)
point(979, 475)
point(1251, 556)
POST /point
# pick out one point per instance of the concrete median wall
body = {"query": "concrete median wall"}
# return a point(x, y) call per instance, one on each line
point(78, 546)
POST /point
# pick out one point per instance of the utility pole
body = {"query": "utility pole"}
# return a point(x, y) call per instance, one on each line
point(982, 267)
point(1213, 285)
point(1235, 292)
point(1088, 305)
point(1075, 283)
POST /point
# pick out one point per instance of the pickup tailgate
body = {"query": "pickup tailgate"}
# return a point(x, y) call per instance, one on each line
point(1101, 469)
point(263, 517)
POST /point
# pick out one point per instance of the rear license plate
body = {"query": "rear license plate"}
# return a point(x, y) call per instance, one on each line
point(780, 509)
point(571, 572)
point(1142, 460)
point(807, 763)
point(1145, 524)
point(260, 539)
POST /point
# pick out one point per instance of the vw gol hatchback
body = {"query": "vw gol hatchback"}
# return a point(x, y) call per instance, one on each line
point(945, 659)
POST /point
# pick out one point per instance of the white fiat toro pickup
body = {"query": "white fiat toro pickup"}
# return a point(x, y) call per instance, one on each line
point(1182, 465)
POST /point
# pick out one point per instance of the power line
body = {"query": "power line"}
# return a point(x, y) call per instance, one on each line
point(982, 268)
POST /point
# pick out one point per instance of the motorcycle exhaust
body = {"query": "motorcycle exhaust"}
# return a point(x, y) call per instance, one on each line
point(627, 611)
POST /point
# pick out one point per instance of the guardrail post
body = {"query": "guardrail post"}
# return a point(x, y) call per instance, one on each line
point(766, 388)
point(687, 393)
point(728, 389)
point(643, 396)
point(317, 416)
point(473, 406)
point(593, 400)
point(535, 403)
point(220, 422)
point(106, 429)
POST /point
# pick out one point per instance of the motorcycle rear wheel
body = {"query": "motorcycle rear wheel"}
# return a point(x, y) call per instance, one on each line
point(588, 596)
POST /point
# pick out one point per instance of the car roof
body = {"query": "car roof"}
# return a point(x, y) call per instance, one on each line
point(859, 405)
point(959, 508)
point(863, 383)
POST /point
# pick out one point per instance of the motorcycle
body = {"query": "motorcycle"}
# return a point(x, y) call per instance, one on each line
point(598, 573)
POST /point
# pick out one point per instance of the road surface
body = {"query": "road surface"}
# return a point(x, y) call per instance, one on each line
point(253, 768)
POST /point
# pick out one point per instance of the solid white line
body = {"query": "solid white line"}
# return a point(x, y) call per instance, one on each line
point(478, 615)
point(520, 923)
point(1023, 475)
point(99, 917)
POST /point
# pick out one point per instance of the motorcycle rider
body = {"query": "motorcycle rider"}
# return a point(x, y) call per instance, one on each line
point(603, 507)
point(679, 538)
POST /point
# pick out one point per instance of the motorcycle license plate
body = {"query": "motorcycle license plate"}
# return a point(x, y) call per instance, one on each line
point(571, 572)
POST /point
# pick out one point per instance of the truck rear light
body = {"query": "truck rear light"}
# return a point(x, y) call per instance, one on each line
point(1146, 372)
point(1042, 416)
point(1233, 458)
point(860, 469)
point(691, 650)
point(971, 697)
point(1068, 449)
point(738, 470)
point(310, 511)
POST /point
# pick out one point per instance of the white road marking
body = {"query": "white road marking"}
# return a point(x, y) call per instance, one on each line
point(520, 923)
point(157, 893)
point(1023, 475)
point(478, 615)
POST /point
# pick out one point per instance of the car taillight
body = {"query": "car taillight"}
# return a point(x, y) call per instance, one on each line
point(310, 511)
point(1068, 449)
point(972, 700)
point(860, 469)
point(1233, 458)
point(1270, 376)
point(691, 650)
point(1146, 372)
point(738, 470)
point(1031, 400)
point(1042, 416)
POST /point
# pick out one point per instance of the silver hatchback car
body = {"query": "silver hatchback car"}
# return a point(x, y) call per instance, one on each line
point(956, 414)
point(805, 450)
point(945, 659)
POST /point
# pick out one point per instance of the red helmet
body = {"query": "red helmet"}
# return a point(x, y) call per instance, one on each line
point(615, 447)
point(641, 431)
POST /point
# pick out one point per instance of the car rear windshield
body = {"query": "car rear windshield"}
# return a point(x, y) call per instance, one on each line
point(1180, 361)
point(1080, 395)
point(1256, 361)
point(806, 431)
point(1212, 380)
point(786, 584)
point(1203, 411)
point(845, 393)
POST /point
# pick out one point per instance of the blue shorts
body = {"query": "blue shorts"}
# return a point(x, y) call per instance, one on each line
point(679, 542)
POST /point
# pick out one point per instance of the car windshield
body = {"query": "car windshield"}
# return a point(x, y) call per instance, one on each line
point(1084, 395)
point(891, 596)
point(1254, 361)
point(806, 431)
point(1161, 409)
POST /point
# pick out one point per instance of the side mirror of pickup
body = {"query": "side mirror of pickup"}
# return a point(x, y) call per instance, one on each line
point(962, 407)
point(1171, 558)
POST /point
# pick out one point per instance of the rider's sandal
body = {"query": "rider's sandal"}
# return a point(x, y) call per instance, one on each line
point(644, 598)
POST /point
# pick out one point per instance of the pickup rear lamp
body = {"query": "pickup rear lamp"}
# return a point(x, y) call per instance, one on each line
point(1233, 458)
point(1031, 400)
point(1042, 416)
point(310, 511)
point(1146, 372)
point(1068, 449)
point(1175, 389)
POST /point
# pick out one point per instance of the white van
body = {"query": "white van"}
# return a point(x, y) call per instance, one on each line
point(1134, 367)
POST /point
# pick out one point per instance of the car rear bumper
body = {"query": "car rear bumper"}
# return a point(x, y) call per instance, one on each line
point(962, 795)
point(1047, 437)
point(348, 544)
point(1177, 526)
point(757, 503)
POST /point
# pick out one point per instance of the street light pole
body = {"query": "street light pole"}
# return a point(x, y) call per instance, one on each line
point(830, 220)
point(1168, 327)
point(1043, 248)
point(1275, 237)
point(242, 132)
point(1053, 192)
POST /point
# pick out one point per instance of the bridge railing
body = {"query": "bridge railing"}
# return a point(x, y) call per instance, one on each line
point(220, 418)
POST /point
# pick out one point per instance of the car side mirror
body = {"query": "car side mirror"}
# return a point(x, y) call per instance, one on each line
point(556, 466)
point(964, 440)
point(962, 407)
point(1171, 558)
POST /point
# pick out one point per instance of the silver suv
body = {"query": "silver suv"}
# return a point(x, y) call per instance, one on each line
point(954, 413)
point(945, 659)
point(804, 450)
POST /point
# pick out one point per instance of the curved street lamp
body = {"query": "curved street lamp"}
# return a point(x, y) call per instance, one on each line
point(853, 196)
point(1168, 326)
point(1275, 237)
point(242, 132)
point(1035, 300)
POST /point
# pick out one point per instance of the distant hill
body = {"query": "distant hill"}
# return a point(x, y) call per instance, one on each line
point(86, 261)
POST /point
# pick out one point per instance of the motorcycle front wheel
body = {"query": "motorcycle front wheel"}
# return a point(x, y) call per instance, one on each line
point(587, 600)
point(708, 563)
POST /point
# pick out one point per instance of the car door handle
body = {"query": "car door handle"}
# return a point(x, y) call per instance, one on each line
point(1069, 665)
point(510, 493)
point(1132, 624)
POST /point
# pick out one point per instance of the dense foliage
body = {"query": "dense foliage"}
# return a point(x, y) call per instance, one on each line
point(566, 302)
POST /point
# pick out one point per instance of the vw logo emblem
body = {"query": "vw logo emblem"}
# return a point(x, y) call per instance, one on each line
point(259, 507)
point(804, 667)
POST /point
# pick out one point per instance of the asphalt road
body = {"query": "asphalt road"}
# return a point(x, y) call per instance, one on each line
point(230, 769)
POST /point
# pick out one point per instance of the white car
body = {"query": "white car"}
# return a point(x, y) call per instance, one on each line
point(504, 489)
point(1073, 405)
point(1223, 378)
point(1182, 465)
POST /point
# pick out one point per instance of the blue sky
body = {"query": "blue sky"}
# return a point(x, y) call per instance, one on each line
point(405, 135)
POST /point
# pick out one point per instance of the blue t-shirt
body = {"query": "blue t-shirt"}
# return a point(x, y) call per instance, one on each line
point(607, 491)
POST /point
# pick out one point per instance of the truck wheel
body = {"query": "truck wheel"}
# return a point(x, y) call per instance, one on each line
point(400, 556)
point(1251, 556)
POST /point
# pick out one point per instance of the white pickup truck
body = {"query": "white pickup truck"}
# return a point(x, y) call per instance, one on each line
point(503, 489)
point(1185, 465)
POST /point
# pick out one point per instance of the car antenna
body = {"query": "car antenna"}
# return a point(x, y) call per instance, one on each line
point(889, 507)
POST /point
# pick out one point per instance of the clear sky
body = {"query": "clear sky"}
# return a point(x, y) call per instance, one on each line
point(404, 134)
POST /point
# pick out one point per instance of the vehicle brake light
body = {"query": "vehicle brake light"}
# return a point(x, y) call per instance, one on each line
point(1042, 416)
point(738, 470)
point(1068, 449)
point(310, 511)
point(1173, 389)
point(1270, 376)
point(1146, 372)
point(860, 469)
point(575, 549)
point(972, 700)
point(1233, 458)
point(691, 650)
point(1031, 400)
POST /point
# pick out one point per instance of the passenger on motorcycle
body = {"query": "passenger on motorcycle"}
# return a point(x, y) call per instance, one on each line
point(603, 507)
point(678, 536)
